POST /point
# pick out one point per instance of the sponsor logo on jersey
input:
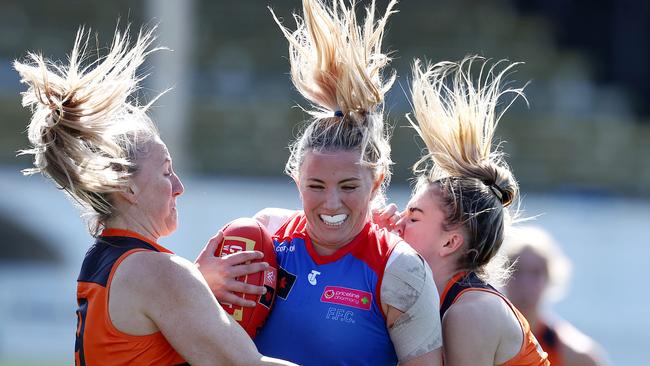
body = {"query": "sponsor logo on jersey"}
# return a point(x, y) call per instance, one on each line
point(286, 280)
point(347, 296)
point(312, 277)
point(285, 246)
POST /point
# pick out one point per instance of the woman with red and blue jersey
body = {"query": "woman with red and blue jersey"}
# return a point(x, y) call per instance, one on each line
point(349, 293)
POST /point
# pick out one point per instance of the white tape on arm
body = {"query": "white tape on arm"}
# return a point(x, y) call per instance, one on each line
point(408, 286)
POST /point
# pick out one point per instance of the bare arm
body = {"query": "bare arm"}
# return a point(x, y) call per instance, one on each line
point(469, 340)
point(171, 292)
point(480, 329)
point(433, 358)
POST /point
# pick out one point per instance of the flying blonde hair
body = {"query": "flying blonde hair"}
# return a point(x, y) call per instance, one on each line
point(336, 64)
point(456, 118)
point(84, 130)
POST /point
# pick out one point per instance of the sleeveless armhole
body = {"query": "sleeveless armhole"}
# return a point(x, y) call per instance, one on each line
point(98, 339)
point(108, 320)
point(526, 333)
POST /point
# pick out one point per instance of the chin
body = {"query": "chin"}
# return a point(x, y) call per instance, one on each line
point(169, 229)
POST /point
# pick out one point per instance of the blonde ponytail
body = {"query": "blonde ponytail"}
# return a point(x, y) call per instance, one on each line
point(336, 64)
point(456, 118)
point(84, 130)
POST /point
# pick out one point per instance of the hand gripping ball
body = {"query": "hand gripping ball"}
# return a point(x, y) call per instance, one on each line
point(248, 234)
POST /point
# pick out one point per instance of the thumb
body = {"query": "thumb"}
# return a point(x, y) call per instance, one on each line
point(211, 247)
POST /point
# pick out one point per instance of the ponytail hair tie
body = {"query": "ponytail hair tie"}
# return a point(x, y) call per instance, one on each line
point(497, 191)
point(338, 114)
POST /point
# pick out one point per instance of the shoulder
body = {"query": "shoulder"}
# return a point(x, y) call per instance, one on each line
point(406, 267)
point(481, 310)
point(472, 329)
point(273, 218)
point(410, 300)
point(406, 277)
point(495, 327)
point(145, 273)
point(486, 313)
point(404, 254)
point(148, 282)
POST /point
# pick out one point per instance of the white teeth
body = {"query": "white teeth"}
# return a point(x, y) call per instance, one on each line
point(334, 220)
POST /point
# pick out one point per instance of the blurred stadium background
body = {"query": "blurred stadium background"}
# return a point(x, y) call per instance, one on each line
point(580, 150)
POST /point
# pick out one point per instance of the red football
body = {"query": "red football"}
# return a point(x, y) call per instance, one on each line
point(248, 234)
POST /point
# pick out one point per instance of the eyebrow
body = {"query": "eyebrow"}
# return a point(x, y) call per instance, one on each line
point(413, 209)
point(347, 180)
point(167, 160)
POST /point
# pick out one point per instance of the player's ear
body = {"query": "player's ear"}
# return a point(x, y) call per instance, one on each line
point(455, 240)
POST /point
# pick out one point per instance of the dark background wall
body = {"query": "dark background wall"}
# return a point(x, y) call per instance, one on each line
point(586, 129)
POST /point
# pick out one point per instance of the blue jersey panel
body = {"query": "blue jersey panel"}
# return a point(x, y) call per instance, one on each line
point(325, 314)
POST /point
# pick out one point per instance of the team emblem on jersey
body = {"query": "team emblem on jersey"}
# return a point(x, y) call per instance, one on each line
point(269, 283)
point(347, 296)
point(285, 283)
point(267, 298)
point(312, 277)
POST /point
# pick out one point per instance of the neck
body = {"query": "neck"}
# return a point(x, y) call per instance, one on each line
point(442, 272)
point(326, 249)
point(127, 223)
point(329, 248)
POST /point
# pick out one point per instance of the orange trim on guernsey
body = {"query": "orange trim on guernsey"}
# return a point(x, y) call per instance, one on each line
point(553, 348)
point(132, 234)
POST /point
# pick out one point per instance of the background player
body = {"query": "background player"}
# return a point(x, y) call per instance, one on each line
point(541, 274)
